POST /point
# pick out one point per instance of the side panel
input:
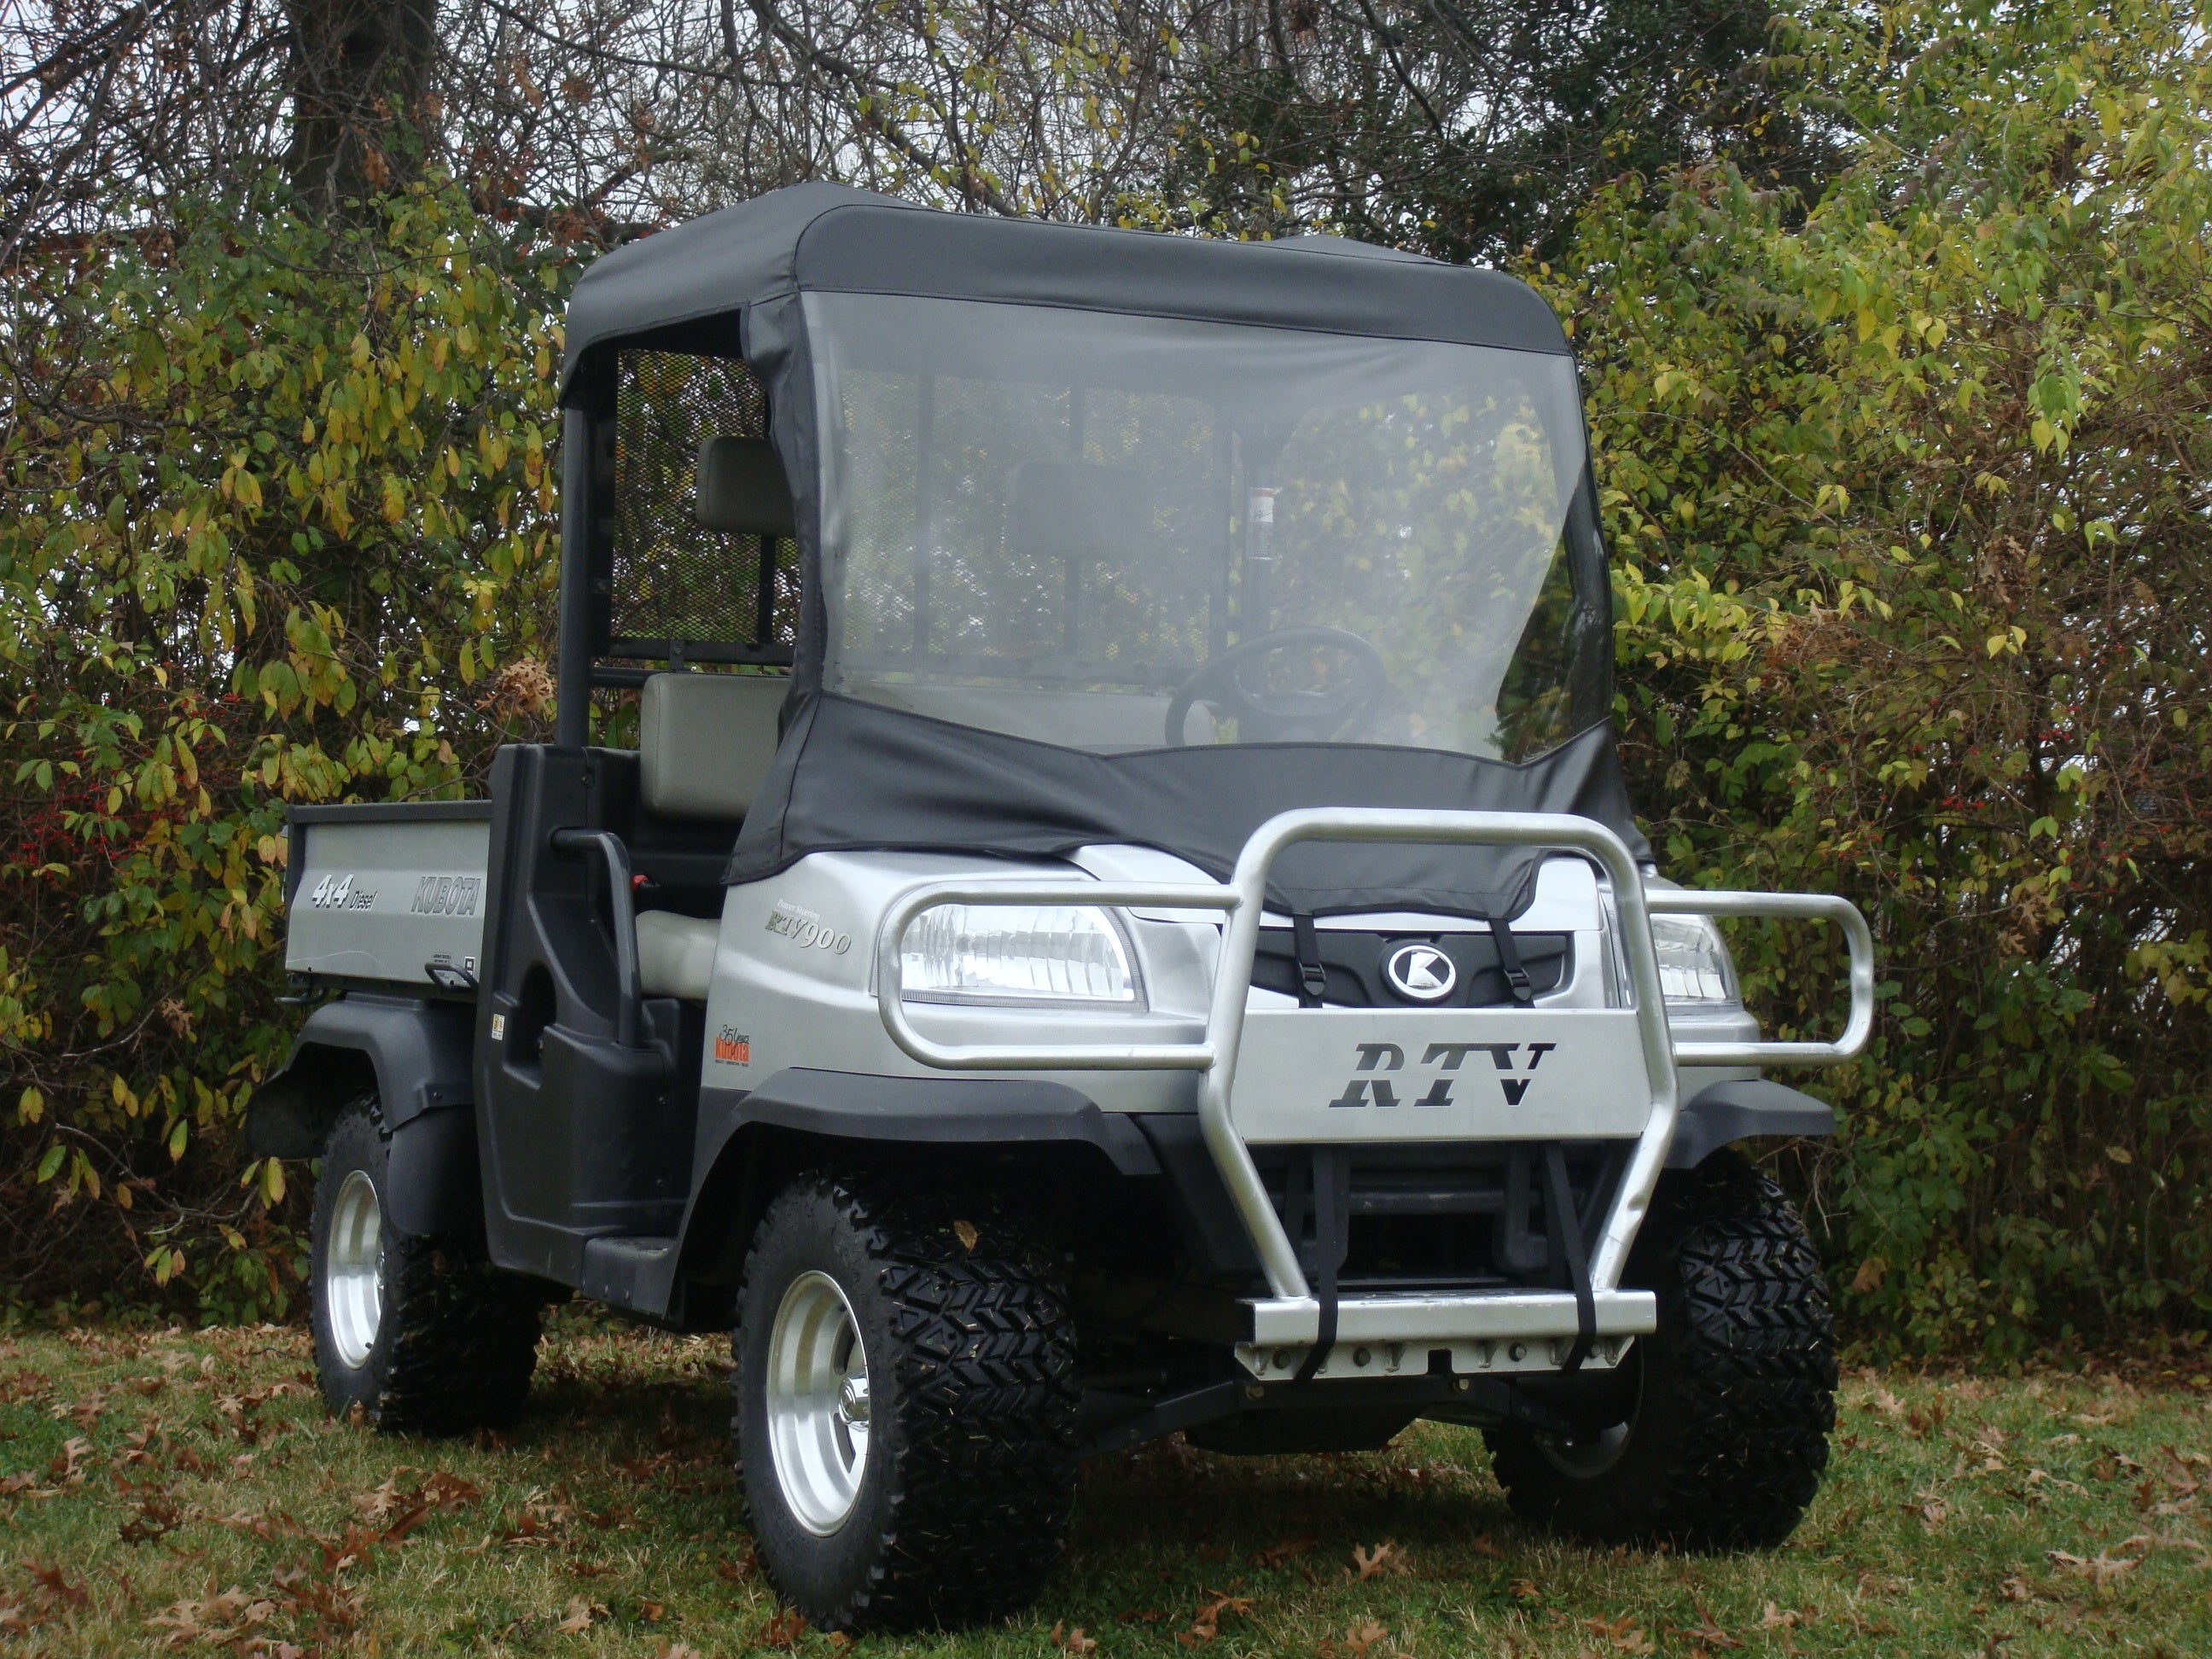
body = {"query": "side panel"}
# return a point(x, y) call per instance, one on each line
point(388, 899)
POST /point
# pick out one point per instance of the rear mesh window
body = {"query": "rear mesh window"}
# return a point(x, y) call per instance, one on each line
point(677, 585)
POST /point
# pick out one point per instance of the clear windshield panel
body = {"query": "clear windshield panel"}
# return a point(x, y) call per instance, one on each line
point(1116, 532)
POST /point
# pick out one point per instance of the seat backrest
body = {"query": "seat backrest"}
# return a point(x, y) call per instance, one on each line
point(705, 742)
point(741, 488)
point(1074, 510)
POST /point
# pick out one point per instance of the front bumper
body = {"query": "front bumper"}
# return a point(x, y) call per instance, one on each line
point(1623, 1069)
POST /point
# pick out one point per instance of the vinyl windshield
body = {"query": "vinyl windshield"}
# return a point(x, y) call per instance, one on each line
point(1116, 532)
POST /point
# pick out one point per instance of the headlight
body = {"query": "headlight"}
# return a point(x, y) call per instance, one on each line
point(1016, 953)
point(1694, 960)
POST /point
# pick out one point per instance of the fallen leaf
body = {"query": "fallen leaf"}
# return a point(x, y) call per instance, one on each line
point(2100, 1569)
point(784, 1628)
point(966, 1233)
point(1623, 1634)
point(1369, 1563)
point(1708, 1634)
point(581, 1616)
point(1073, 1641)
point(1275, 1555)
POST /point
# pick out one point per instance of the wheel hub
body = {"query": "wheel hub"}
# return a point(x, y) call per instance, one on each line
point(818, 1401)
point(353, 1279)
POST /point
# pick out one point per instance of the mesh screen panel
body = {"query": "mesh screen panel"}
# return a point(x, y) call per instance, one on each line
point(675, 580)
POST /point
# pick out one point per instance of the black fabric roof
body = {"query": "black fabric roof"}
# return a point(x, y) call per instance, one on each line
point(827, 237)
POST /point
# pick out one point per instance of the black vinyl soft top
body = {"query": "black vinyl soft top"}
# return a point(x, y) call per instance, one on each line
point(853, 775)
point(830, 239)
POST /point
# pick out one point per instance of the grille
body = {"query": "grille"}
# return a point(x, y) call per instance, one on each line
point(676, 584)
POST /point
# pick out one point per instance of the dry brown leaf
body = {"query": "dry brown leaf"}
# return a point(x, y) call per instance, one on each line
point(966, 1233)
point(1362, 1636)
point(581, 1616)
point(677, 1650)
point(1072, 1641)
point(784, 1628)
point(1275, 1555)
point(1623, 1634)
point(1369, 1563)
point(1708, 1634)
point(2100, 1569)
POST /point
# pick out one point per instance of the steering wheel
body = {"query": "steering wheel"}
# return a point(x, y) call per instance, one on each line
point(1282, 716)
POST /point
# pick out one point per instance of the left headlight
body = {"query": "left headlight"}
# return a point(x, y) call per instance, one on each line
point(1694, 965)
point(1018, 953)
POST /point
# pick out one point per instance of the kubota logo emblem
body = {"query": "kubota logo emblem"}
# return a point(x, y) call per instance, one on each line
point(1374, 1086)
point(1421, 972)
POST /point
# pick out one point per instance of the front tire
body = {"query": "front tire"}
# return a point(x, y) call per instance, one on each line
point(412, 1333)
point(906, 1402)
point(1730, 1401)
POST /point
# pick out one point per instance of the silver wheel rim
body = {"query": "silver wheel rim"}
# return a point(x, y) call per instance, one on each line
point(353, 1284)
point(818, 1403)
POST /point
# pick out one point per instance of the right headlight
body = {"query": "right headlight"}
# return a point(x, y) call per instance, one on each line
point(1018, 954)
point(1694, 965)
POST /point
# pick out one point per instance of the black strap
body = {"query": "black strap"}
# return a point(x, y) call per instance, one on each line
point(1509, 960)
point(1566, 1231)
point(1332, 1205)
point(1313, 978)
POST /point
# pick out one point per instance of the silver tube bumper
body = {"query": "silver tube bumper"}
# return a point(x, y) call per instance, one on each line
point(1291, 1315)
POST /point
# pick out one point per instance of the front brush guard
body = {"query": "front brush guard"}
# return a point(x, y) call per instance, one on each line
point(1489, 1328)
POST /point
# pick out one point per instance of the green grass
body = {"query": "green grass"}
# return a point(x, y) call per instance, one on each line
point(185, 1491)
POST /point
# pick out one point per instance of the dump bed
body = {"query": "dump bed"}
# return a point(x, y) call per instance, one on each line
point(391, 893)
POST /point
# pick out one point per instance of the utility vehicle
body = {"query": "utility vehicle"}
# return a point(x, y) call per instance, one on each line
point(1119, 916)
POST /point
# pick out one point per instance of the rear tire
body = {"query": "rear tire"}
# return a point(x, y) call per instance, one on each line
point(906, 1400)
point(414, 1333)
point(1734, 1394)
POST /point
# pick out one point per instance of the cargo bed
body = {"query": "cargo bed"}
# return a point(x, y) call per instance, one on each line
point(388, 893)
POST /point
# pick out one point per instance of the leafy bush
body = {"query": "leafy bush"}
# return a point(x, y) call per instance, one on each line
point(279, 527)
point(1908, 494)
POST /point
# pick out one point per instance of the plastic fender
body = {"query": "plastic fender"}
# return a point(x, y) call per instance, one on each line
point(414, 1051)
point(1726, 1112)
point(434, 1186)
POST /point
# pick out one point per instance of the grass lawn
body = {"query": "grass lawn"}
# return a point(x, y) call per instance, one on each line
point(184, 1492)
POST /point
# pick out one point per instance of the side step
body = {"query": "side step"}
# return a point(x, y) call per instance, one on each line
point(635, 1274)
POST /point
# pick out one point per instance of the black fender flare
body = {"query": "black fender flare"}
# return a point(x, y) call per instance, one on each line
point(804, 1104)
point(1739, 1109)
point(414, 1053)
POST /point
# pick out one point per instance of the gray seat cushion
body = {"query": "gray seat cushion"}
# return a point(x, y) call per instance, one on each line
point(705, 742)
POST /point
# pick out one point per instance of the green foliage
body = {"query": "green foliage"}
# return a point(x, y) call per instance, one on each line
point(1908, 498)
point(279, 527)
